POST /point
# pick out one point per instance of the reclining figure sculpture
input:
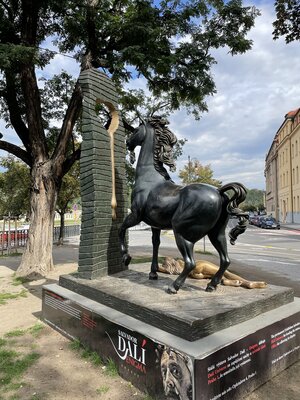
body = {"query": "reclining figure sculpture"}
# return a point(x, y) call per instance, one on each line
point(206, 270)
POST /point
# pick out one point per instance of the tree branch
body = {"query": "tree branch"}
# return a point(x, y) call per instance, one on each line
point(14, 110)
point(70, 161)
point(71, 116)
point(29, 27)
point(16, 151)
point(127, 126)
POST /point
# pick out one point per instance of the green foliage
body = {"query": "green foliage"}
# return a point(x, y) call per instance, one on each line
point(14, 187)
point(15, 333)
point(10, 255)
point(36, 329)
point(147, 38)
point(11, 54)
point(111, 368)
point(254, 200)
point(19, 280)
point(9, 296)
point(75, 345)
point(85, 352)
point(102, 390)
point(195, 172)
point(13, 365)
point(69, 190)
point(287, 20)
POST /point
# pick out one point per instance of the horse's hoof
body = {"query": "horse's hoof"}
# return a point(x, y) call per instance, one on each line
point(153, 276)
point(210, 288)
point(126, 259)
point(171, 290)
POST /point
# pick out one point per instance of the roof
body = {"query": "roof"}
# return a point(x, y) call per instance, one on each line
point(291, 114)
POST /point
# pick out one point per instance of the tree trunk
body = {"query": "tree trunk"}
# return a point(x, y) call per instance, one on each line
point(62, 228)
point(37, 259)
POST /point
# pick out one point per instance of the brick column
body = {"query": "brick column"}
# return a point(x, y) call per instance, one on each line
point(99, 252)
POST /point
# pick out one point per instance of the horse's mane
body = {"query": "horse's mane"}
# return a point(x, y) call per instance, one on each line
point(164, 140)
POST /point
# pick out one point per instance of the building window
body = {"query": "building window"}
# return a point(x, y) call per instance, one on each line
point(293, 178)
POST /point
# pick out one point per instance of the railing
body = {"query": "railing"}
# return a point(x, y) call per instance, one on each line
point(13, 239)
point(10, 240)
point(69, 230)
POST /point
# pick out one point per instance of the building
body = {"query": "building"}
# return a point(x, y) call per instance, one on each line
point(282, 171)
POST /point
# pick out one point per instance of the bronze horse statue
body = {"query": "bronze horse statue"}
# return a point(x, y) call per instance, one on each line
point(192, 211)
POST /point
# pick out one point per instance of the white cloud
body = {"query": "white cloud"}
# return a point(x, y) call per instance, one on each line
point(254, 92)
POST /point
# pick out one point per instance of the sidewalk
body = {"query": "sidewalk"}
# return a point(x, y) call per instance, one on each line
point(295, 227)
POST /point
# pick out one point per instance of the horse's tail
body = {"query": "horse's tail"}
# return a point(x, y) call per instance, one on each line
point(239, 195)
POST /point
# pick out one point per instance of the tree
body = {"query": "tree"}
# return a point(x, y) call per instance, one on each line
point(195, 172)
point(69, 191)
point(14, 187)
point(169, 43)
point(287, 20)
point(254, 200)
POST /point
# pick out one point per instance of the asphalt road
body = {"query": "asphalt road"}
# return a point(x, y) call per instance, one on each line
point(269, 255)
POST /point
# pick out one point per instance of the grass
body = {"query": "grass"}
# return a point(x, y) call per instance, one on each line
point(33, 330)
point(8, 296)
point(14, 363)
point(102, 389)
point(68, 222)
point(15, 333)
point(10, 255)
point(85, 353)
point(36, 329)
point(111, 368)
point(19, 280)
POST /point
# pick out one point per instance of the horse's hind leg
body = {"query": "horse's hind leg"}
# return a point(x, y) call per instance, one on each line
point(155, 246)
point(218, 240)
point(131, 220)
point(186, 248)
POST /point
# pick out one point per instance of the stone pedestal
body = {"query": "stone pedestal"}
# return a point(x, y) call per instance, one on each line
point(205, 346)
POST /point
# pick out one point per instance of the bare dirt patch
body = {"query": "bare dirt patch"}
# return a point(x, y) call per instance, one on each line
point(60, 373)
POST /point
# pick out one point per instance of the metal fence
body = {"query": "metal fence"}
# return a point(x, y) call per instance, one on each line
point(11, 240)
point(69, 230)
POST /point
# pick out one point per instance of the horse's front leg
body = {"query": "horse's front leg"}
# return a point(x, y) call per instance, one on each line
point(218, 240)
point(186, 248)
point(155, 246)
point(131, 220)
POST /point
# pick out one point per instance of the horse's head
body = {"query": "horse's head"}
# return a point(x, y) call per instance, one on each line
point(137, 137)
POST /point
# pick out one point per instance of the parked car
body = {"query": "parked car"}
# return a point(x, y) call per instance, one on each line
point(252, 219)
point(270, 223)
point(257, 220)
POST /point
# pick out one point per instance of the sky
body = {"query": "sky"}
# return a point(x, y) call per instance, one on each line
point(254, 93)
